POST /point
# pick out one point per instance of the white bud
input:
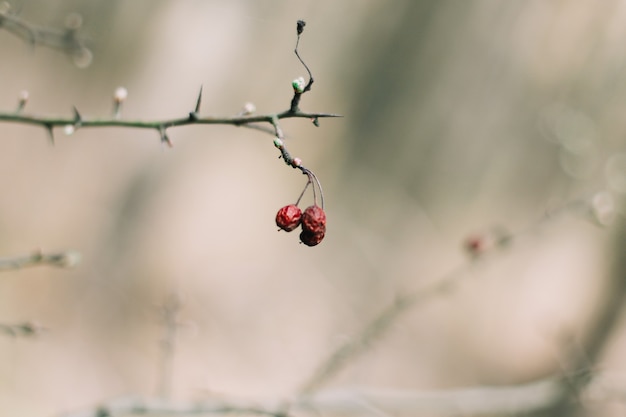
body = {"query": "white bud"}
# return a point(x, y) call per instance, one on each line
point(69, 129)
point(249, 108)
point(298, 84)
point(120, 94)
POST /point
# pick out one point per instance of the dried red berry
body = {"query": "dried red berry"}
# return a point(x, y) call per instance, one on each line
point(310, 238)
point(288, 217)
point(314, 220)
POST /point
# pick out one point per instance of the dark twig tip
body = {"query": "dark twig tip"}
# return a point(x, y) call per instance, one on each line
point(300, 26)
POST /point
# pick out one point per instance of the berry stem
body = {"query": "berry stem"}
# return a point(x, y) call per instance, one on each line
point(313, 182)
point(304, 190)
point(312, 179)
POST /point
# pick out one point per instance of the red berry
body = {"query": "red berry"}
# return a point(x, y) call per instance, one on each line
point(314, 221)
point(310, 238)
point(288, 217)
point(475, 245)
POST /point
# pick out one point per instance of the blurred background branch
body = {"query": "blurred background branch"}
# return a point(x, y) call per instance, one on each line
point(67, 40)
point(511, 400)
point(27, 329)
point(67, 259)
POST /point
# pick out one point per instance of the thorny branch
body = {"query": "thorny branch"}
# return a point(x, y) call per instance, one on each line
point(246, 119)
point(159, 126)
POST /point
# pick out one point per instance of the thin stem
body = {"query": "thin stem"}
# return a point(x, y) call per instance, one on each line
point(308, 182)
point(319, 187)
point(300, 29)
point(310, 174)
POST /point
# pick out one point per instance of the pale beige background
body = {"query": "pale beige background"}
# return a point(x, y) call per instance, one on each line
point(458, 118)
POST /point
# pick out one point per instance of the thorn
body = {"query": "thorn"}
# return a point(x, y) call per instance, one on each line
point(77, 118)
point(164, 138)
point(197, 110)
point(300, 26)
point(316, 121)
point(194, 115)
point(50, 134)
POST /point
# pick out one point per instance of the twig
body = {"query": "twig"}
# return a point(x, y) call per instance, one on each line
point(467, 401)
point(375, 329)
point(298, 85)
point(66, 39)
point(471, 401)
point(169, 318)
point(60, 259)
point(142, 406)
point(26, 329)
point(502, 400)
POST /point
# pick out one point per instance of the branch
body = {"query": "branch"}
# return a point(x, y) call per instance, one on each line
point(66, 259)
point(25, 329)
point(502, 400)
point(168, 312)
point(471, 401)
point(52, 122)
point(150, 406)
point(71, 124)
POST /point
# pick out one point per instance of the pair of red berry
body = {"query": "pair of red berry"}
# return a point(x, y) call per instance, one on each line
point(313, 222)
